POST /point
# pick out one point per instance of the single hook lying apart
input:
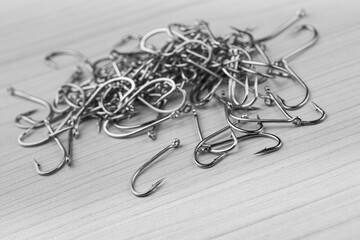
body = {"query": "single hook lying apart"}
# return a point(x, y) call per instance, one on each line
point(64, 159)
point(174, 144)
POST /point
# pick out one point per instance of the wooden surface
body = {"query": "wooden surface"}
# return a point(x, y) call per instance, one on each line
point(310, 189)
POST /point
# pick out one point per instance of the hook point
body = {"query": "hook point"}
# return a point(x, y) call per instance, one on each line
point(37, 165)
point(317, 108)
point(158, 182)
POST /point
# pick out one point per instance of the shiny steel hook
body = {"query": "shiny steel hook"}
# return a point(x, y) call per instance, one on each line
point(123, 41)
point(266, 150)
point(205, 147)
point(65, 158)
point(294, 120)
point(69, 52)
point(59, 129)
point(197, 90)
point(294, 76)
point(297, 120)
point(25, 116)
point(299, 14)
point(25, 134)
point(282, 62)
point(140, 128)
point(201, 147)
point(146, 37)
point(228, 107)
point(302, 48)
point(174, 144)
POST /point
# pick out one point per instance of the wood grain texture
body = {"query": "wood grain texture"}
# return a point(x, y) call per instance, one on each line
point(310, 189)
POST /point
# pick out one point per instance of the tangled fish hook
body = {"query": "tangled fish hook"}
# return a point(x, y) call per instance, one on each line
point(65, 158)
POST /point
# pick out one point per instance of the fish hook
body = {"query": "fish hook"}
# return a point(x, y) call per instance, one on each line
point(282, 62)
point(64, 159)
point(299, 14)
point(201, 147)
point(174, 144)
point(308, 44)
point(228, 107)
point(297, 121)
point(25, 116)
point(204, 147)
point(69, 52)
point(266, 150)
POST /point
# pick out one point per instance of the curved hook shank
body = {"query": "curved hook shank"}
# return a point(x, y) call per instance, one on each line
point(174, 144)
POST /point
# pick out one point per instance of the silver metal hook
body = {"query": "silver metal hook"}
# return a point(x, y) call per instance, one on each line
point(123, 41)
point(69, 52)
point(282, 62)
point(201, 147)
point(26, 96)
point(204, 146)
point(294, 76)
point(249, 136)
point(25, 134)
point(315, 121)
point(228, 107)
point(137, 130)
point(174, 144)
point(306, 45)
point(196, 91)
point(26, 117)
point(297, 121)
point(145, 38)
point(299, 14)
point(64, 159)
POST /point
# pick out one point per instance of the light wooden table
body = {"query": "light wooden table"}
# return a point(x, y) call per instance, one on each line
point(310, 189)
